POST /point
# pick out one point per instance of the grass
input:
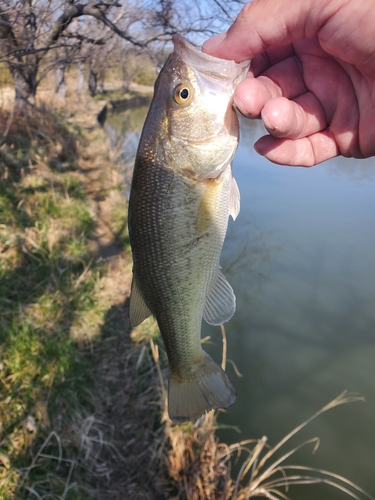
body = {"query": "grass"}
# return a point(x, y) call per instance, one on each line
point(272, 479)
point(110, 95)
point(145, 75)
point(5, 76)
point(48, 287)
point(63, 336)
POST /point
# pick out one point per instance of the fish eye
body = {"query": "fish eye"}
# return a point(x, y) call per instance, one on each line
point(183, 93)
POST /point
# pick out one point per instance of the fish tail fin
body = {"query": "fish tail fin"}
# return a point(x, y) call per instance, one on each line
point(205, 388)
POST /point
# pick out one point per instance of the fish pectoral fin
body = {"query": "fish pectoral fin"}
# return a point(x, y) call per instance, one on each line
point(234, 200)
point(206, 387)
point(138, 309)
point(220, 301)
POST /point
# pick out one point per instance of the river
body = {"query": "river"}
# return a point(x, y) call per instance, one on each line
point(301, 260)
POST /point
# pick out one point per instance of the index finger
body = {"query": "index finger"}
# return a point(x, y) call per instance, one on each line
point(265, 23)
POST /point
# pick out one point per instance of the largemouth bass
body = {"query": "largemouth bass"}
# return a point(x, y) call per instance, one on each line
point(181, 197)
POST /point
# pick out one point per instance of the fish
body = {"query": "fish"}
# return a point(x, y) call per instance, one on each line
point(181, 196)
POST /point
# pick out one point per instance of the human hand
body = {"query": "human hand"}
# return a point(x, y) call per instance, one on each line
point(312, 76)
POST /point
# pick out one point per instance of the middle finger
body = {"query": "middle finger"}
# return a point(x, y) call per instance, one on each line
point(283, 79)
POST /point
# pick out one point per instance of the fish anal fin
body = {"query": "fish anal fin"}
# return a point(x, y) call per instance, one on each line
point(206, 388)
point(138, 311)
point(220, 302)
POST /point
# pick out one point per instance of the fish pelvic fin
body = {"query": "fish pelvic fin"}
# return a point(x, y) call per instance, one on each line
point(206, 388)
point(220, 303)
point(234, 200)
point(138, 311)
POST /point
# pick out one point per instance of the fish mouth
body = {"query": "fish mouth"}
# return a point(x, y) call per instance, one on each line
point(182, 45)
point(220, 69)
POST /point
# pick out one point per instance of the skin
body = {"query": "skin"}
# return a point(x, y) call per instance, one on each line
point(312, 77)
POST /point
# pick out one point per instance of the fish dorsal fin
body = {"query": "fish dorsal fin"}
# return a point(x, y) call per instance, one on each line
point(220, 301)
point(234, 200)
point(138, 309)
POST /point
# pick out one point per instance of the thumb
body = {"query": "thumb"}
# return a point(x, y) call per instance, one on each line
point(265, 23)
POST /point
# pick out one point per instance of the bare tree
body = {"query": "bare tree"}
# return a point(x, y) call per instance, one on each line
point(60, 88)
point(31, 29)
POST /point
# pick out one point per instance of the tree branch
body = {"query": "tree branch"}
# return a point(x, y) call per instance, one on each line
point(83, 38)
point(21, 53)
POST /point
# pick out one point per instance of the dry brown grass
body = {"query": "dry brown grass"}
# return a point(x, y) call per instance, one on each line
point(119, 441)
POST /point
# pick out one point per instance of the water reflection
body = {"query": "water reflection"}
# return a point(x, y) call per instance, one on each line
point(355, 170)
point(124, 131)
point(301, 260)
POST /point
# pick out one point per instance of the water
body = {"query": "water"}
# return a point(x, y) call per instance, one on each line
point(301, 259)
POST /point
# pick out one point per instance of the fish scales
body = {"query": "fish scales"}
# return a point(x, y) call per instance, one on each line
point(177, 259)
point(181, 196)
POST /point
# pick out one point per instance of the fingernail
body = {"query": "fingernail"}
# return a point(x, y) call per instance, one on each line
point(258, 148)
point(240, 105)
point(213, 42)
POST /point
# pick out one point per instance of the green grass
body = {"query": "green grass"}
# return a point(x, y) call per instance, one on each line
point(69, 372)
point(49, 298)
point(145, 75)
point(119, 219)
point(110, 95)
point(5, 76)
